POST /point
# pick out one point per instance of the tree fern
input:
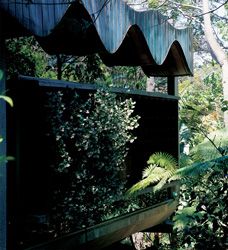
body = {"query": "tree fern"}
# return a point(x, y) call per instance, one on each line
point(197, 169)
point(164, 160)
point(148, 171)
point(161, 167)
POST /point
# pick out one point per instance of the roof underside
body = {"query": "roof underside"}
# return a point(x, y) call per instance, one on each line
point(119, 34)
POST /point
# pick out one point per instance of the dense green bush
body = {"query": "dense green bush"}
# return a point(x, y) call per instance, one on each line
point(201, 220)
point(90, 141)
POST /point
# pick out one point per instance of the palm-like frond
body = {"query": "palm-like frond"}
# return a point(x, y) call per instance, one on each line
point(196, 169)
point(151, 179)
point(148, 171)
point(165, 178)
point(161, 167)
point(191, 171)
point(164, 169)
point(164, 160)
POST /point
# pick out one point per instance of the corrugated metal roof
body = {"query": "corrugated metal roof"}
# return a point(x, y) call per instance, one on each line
point(121, 35)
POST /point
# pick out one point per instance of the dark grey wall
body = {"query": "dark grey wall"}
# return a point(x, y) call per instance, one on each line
point(2, 148)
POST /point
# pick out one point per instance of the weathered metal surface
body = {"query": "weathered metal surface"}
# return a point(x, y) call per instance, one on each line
point(120, 34)
point(106, 233)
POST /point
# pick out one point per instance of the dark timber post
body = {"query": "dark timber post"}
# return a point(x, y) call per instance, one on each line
point(172, 85)
point(173, 90)
point(2, 146)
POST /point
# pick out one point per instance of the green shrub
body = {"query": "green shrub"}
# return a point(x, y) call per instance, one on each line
point(201, 219)
point(91, 139)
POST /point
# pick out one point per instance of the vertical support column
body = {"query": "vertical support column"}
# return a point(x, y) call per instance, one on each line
point(173, 90)
point(172, 85)
point(3, 223)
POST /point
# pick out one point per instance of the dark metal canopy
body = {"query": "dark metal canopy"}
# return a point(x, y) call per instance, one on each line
point(121, 35)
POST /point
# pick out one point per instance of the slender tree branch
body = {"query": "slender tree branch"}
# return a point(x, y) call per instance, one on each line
point(185, 5)
point(178, 5)
point(220, 17)
point(162, 4)
point(218, 39)
point(211, 11)
point(210, 140)
point(133, 4)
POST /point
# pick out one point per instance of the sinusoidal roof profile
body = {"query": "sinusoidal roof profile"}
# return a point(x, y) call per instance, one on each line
point(121, 35)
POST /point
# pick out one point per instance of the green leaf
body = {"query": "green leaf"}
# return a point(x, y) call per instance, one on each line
point(6, 158)
point(164, 160)
point(7, 99)
point(200, 214)
point(183, 218)
point(10, 158)
point(161, 167)
point(1, 74)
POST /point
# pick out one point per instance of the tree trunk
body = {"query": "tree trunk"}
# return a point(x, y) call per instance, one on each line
point(225, 88)
point(150, 84)
point(218, 52)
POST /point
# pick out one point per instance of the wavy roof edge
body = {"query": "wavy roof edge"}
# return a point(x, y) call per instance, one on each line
point(121, 35)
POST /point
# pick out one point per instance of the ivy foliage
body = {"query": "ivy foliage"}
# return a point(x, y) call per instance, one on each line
point(91, 138)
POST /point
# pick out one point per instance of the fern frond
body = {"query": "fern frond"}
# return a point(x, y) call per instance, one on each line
point(222, 161)
point(161, 167)
point(194, 169)
point(139, 186)
point(166, 176)
point(164, 160)
point(156, 174)
point(185, 160)
point(197, 169)
point(147, 171)
point(153, 178)
point(176, 177)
